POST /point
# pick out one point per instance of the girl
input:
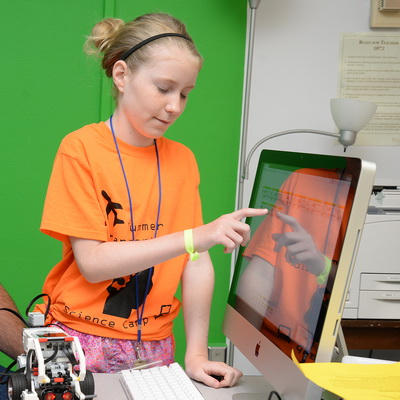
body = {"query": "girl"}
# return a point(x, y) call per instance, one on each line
point(125, 203)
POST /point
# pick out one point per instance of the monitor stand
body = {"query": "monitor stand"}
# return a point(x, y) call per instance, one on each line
point(265, 396)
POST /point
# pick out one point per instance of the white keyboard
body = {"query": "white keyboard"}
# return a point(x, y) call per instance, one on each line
point(159, 383)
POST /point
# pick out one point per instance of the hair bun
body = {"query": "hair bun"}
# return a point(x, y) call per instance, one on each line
point(102, 35)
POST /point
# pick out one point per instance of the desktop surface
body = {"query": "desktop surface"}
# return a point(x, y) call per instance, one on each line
point(108, 386)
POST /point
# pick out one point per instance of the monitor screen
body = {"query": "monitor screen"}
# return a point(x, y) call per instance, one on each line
point(290, 281)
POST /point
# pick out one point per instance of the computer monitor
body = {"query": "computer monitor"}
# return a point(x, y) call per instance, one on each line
point(290, 282)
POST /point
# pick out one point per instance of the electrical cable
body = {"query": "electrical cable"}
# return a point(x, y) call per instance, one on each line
point(29, 359)
point(274, 393)
point(70, 355)
point(53, 355)
point(46, 313)
point(6, 373)
point(16, 314)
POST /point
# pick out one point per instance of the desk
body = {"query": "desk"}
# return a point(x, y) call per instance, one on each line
point(365, 334)
point(109, 387)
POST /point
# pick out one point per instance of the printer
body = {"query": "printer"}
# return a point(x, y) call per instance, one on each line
point(374, 291)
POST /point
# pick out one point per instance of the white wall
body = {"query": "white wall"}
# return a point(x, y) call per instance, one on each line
point(295, 74)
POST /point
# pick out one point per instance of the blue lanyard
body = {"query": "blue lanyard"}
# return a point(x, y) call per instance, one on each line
point(140, 313)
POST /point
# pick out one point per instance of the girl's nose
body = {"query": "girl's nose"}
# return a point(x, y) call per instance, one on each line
point(174, 105)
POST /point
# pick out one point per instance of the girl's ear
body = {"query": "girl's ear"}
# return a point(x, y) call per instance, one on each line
point(120, 73)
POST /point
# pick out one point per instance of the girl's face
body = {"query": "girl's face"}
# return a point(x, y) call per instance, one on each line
point(155, 95)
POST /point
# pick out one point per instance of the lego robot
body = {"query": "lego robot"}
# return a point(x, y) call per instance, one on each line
point(53, 367)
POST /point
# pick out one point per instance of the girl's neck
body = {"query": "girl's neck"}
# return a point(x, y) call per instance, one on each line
point(124, 131)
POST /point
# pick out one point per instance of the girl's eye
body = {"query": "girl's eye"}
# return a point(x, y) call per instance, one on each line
point(162, 90)
point(184, 96)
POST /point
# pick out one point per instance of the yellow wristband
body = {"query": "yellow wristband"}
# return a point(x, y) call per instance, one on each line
point(323, 276)
point(189, 246)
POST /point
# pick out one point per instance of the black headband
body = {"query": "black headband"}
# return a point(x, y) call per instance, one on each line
point(148, 40)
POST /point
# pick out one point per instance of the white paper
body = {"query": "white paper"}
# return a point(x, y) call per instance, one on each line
point(370, 71)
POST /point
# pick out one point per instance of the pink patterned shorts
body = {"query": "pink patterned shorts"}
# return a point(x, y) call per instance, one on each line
point(110, 355)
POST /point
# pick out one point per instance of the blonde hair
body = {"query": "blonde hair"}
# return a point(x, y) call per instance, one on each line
point(112, 37)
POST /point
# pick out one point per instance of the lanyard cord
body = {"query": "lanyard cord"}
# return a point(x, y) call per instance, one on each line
point(150, 274)
point(125, 177)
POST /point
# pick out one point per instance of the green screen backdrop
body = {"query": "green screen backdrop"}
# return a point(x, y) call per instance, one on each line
point(49, 88)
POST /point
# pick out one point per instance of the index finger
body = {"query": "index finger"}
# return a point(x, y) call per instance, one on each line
point(291, 221)
point(249, 212)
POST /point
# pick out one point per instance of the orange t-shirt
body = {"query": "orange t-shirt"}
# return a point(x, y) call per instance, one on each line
point(317, 201)
point(87, 198)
